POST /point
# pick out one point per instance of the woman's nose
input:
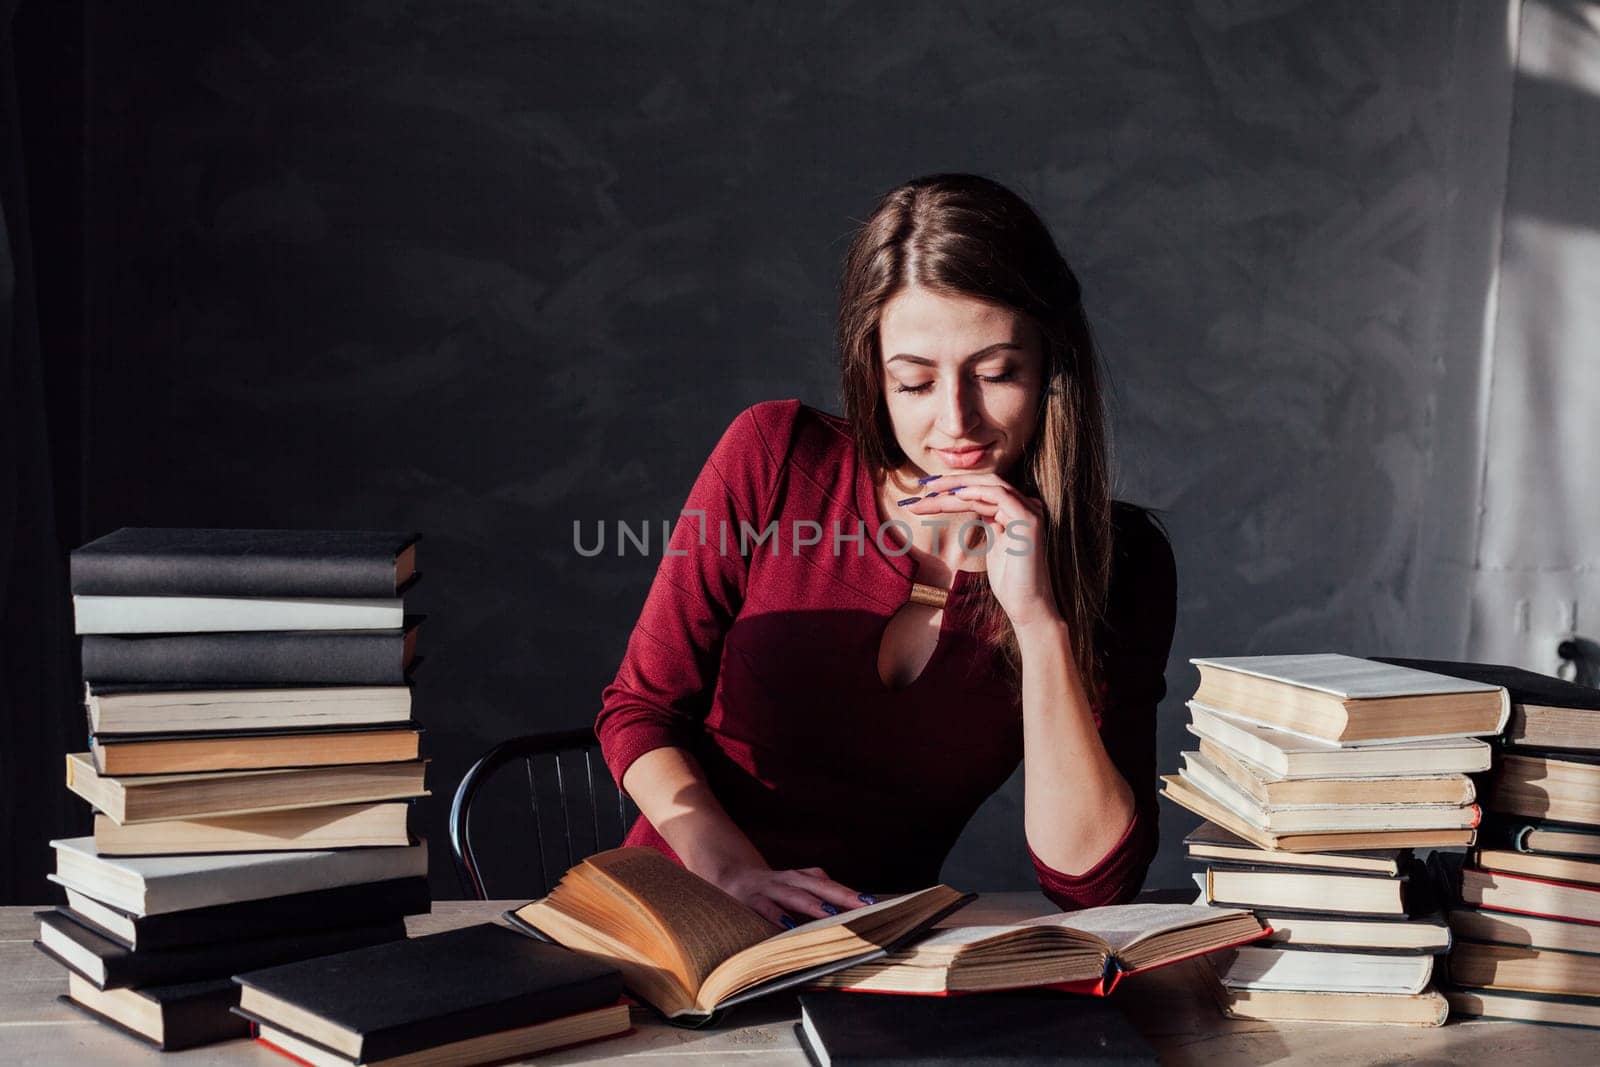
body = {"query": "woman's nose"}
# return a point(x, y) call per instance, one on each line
point(960, 410)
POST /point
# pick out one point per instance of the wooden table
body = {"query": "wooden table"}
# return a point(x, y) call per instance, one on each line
point(1167, 1005)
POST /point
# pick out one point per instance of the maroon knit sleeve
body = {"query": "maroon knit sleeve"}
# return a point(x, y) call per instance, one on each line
point(1140, 614)
point(663, 688)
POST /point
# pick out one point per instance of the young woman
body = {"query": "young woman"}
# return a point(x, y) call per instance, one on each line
point(863, 624)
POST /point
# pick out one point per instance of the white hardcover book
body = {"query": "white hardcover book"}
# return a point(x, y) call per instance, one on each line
point(154, 885)
point(1293, 755)
point(211, 614)
point(1252, 967)
point(1347, 677)
point(1328, 818)
point(1346, 700)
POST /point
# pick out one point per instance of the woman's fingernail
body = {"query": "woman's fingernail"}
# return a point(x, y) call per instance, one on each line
point(786, 921)
point(955, 489)
point(929, 478)
point(907, 500)
point(866, 898)
point(830, 909)
point(930, 496)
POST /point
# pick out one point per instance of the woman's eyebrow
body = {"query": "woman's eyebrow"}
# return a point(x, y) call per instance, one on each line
point(979, 354)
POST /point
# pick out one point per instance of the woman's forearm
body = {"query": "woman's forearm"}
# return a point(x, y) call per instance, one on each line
point(671, 791)
point(1077, 805)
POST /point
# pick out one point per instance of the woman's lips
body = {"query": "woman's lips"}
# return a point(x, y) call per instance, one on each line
point(965, 459)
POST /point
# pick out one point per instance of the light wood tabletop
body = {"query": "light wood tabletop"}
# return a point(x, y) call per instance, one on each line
point(1168, 1005)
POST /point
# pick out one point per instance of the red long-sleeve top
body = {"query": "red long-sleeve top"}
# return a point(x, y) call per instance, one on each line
point(759, 656)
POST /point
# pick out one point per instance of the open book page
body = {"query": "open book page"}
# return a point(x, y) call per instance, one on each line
point(827, 940)
point(1121, 926)
point(699, 922)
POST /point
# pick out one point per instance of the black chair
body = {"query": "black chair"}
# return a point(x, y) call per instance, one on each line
point(582, 795)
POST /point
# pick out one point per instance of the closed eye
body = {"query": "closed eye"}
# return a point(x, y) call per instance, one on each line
point(1003, 376)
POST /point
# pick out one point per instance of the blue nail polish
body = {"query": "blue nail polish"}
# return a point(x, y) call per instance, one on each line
point(787, 922)
point(930, 496)
point(866, 898)
point(830, 909)
point(907, 500)
point(929, 478)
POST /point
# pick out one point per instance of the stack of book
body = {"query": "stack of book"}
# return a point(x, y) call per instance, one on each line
point(1318, 775)
point(481, 994)
point(252, 762)
point(1526, 912)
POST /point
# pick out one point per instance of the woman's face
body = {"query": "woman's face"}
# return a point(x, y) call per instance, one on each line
point(961, 379)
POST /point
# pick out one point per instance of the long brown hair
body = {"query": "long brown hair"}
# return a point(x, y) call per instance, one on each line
point(966, 234)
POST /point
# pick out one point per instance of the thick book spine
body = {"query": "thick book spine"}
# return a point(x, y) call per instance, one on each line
point(297, 657)
point(316, 909)
point(247, 563)
point(125, 968)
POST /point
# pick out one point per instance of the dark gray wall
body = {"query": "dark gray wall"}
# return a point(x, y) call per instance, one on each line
point(485, 269)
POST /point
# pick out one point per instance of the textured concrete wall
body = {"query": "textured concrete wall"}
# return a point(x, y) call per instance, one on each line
point(483, 269)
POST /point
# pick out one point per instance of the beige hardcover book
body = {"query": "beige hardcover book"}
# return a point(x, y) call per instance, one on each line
point(1271, 790)
point(515, 1044)
point(1527, 931)
point(338, 826)
point(1183, 794)
point(1345, 699)
point(1530, 970)
point(1427, 1008)
point(1290, 756)
point(1546, 787)
point(1211, 842)
point(1553, 868)
point(204, 795)
point(1350, 894)
point(244, 752)
point(307, 708)
point(1309, 818)
point(1299, 929)
point(1504, 1004)
point(1500, 891)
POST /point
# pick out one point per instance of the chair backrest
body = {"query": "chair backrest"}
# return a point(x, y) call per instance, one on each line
point(560, 771)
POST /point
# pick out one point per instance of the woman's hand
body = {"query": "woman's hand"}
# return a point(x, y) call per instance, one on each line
point(1018, 572)
point(798, 895)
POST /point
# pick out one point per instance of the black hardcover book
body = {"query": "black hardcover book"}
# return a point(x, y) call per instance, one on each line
point(1033, 1026)
point(295, 913)
point(142, 561)
point(169, 1017)
point(266, 658)
point(112, 966)
point(399, 998)
point(1525, 687)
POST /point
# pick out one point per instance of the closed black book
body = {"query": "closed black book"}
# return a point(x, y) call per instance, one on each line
point(399, 998)
point(1525, 687)
point(112, 966)
point(1033, 1026)
point(295, 913)
point(267, 658)
point(169, 1017)
point(140, 561)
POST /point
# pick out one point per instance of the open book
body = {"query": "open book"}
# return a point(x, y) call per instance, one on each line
point(1084, 951)
point(689, 949)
